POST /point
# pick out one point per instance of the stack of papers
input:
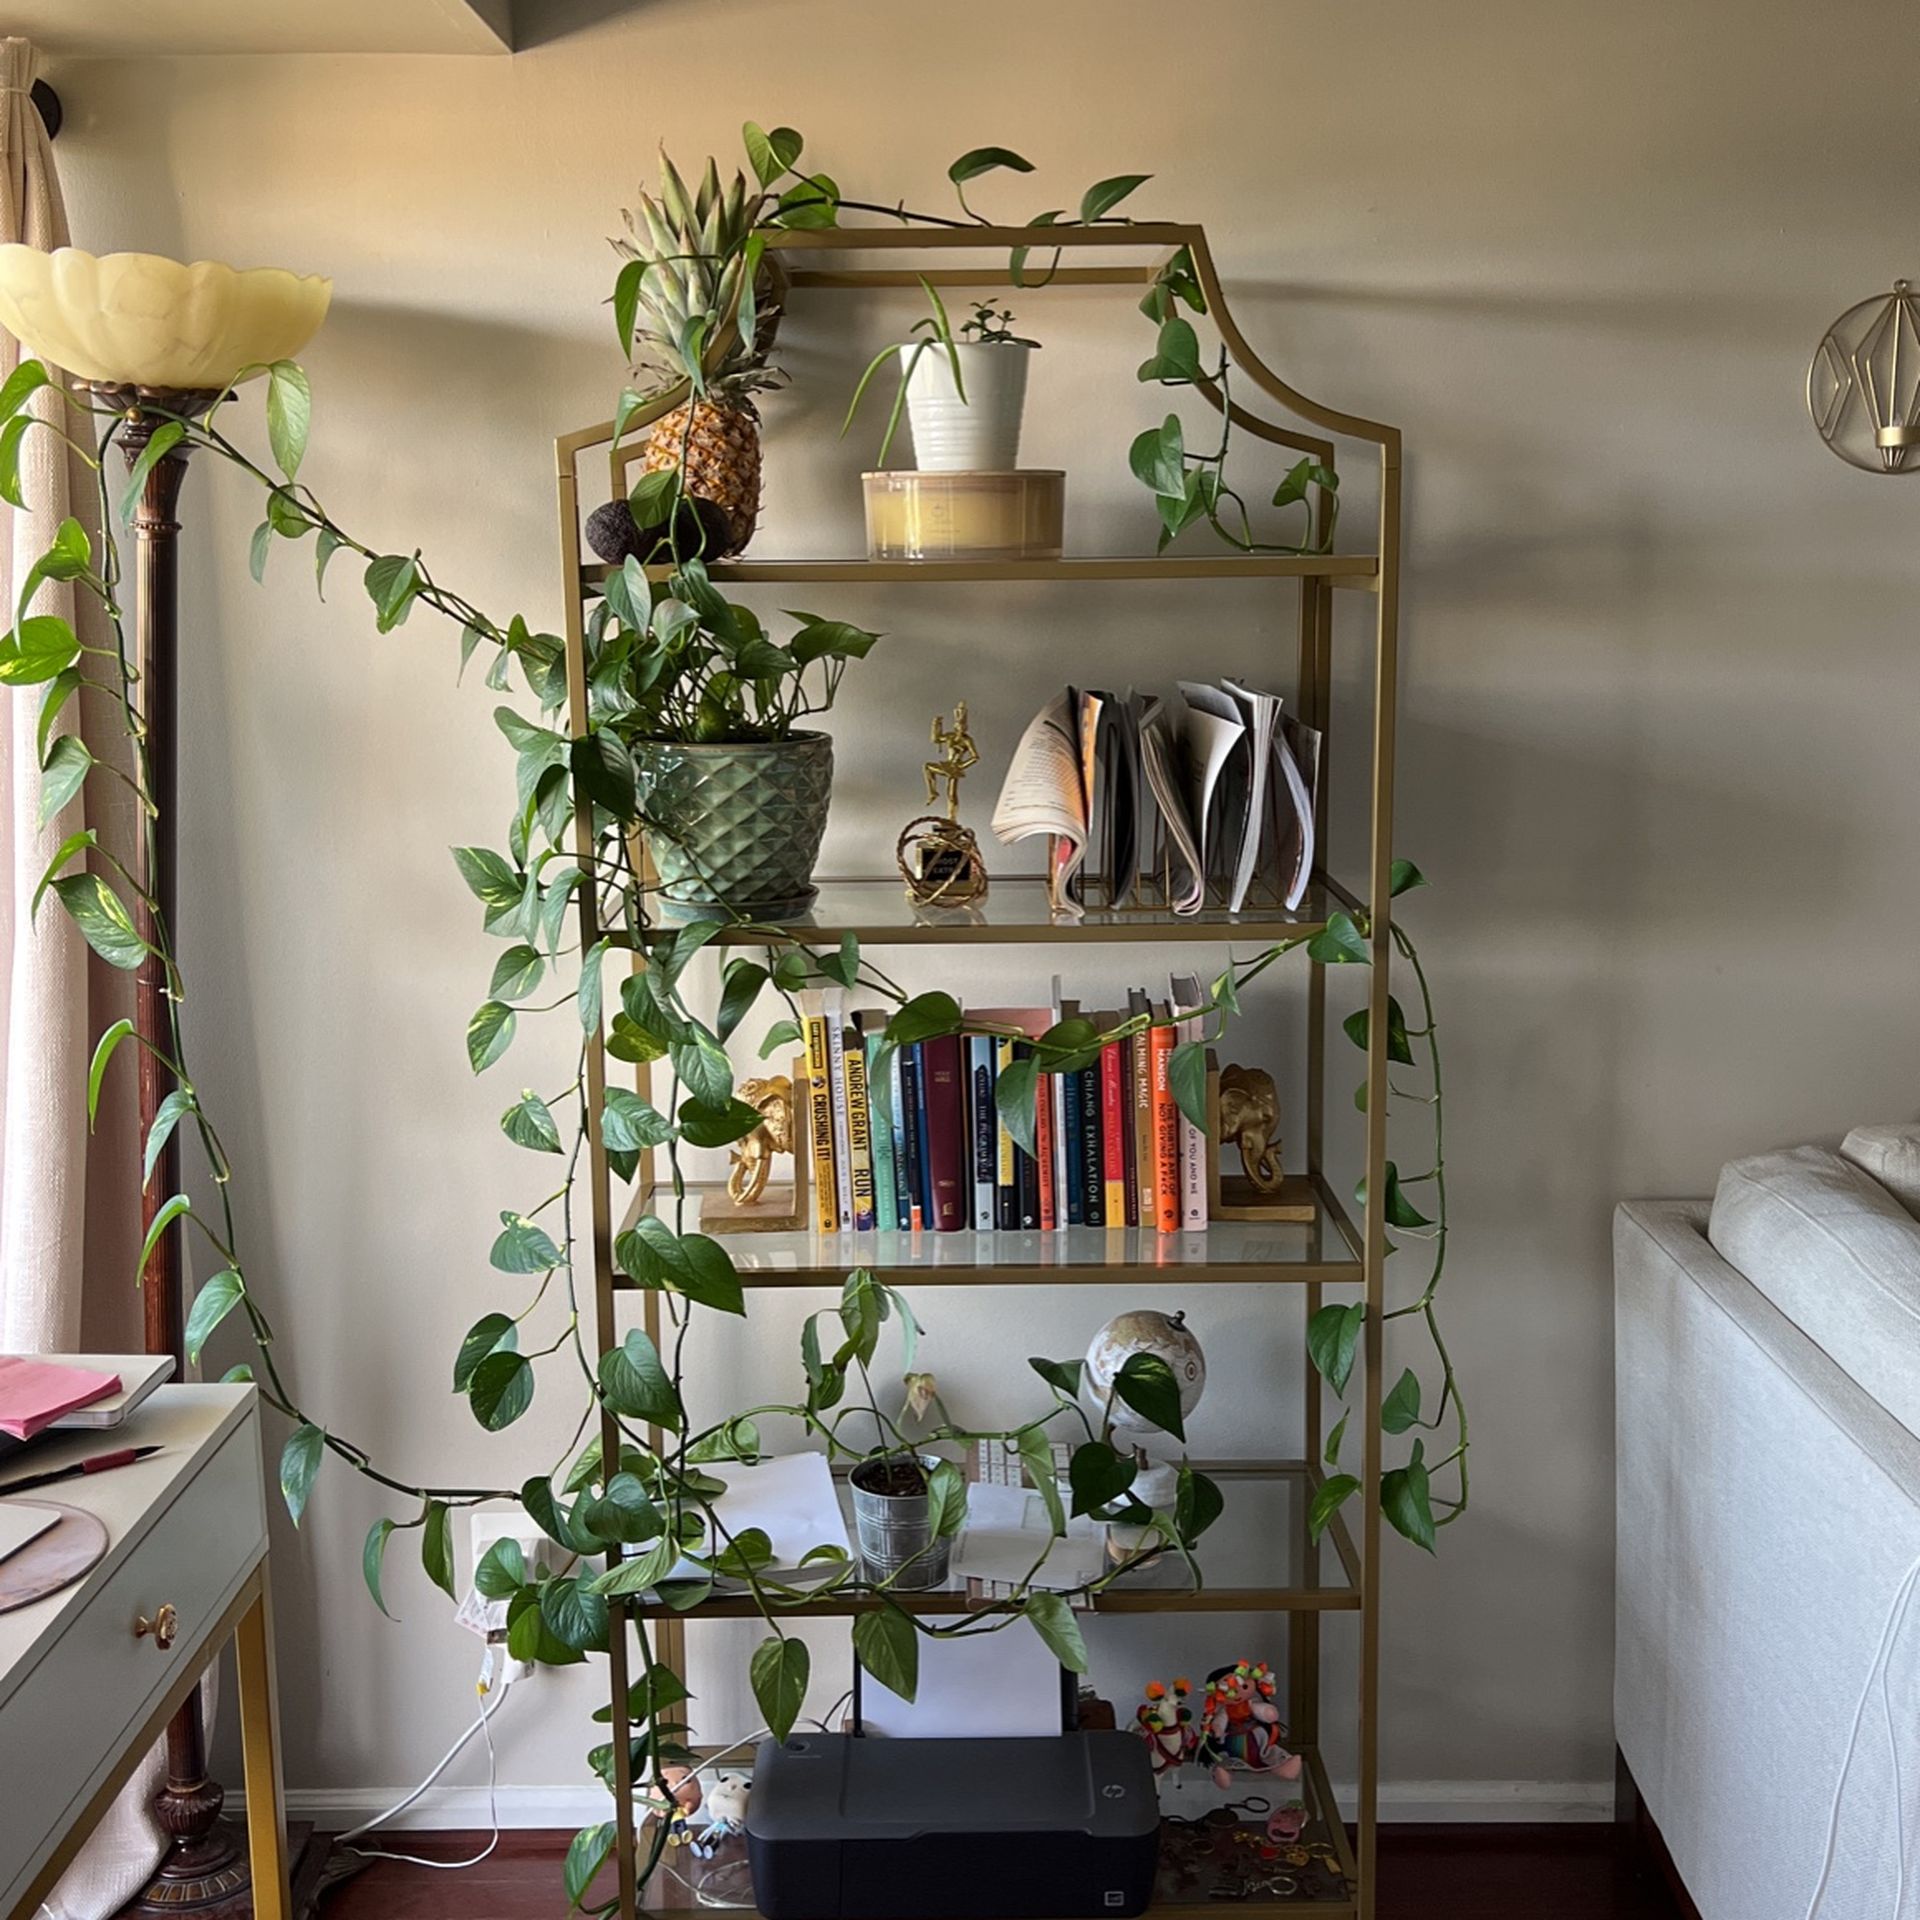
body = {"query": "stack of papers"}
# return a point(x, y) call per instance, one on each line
point(1009, 1538)
point(35, 1393)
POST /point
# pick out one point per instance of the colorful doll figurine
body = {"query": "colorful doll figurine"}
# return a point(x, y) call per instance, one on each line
point(677, 1805)
point(1165, 1723)
point(725, 1809)
point(1240, 1726)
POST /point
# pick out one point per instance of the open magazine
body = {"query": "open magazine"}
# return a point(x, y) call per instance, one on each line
point(1048, 788)
point(1215, 789)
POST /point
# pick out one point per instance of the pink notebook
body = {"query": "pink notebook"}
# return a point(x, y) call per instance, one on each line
point(35, 1393)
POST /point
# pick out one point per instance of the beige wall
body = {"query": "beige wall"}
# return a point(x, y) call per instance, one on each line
point(1659, 678)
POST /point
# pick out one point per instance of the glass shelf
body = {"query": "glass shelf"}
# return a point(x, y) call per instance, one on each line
point(1225, 1252)
point(1351, 569)
point(1255, 1558)
point(1193, 1860)
point(1014, 913)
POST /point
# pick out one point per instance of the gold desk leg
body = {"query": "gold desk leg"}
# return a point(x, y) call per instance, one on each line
point(260, 1748)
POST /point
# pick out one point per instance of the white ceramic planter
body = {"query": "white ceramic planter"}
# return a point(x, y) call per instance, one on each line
point(980, 434)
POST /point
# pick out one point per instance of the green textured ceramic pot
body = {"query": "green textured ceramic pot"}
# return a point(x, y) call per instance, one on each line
point(746, 818)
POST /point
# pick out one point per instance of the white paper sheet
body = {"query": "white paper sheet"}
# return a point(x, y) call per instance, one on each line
point(987, 1686)
point(1007, 1532)
point(791, 1498)
point(20, 1524)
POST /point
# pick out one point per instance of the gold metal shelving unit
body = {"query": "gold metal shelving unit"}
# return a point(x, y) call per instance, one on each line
point(1275, 1567)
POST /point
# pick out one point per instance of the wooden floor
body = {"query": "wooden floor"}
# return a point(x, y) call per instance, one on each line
point(1426, 1873)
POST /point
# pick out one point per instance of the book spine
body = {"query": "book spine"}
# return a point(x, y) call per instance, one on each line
point(1113, 1156)
point(1075, 1186)
point(981, 1118)
point(859, 1133)
point(1093, 1192)
point(1027, 1165)
point(949, 1157)
point(820, 1125)
point(885, 1207)
point(1193, 1151)
point(911, 1153)
point(923, 1175)
point(837, 1084)
point(1043, 1152)
point(1146, 1199)
point(1056, 1088)
point(1130, 1127)
point(1166, 1135)
point(902, 1178)
point(1006, 1192)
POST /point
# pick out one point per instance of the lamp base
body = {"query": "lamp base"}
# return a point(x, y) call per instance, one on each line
point(205, 1874)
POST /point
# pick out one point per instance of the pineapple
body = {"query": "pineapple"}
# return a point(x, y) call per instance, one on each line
point(688, 308)
point(716, 445)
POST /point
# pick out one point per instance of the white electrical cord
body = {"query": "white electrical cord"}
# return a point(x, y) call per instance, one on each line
point(1882, 1661)
point(482, 1726)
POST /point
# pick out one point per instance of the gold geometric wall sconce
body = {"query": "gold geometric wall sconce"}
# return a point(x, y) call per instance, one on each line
point(1863, 388)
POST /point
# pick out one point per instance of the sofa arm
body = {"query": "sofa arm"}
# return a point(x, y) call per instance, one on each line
point(1768, 1514)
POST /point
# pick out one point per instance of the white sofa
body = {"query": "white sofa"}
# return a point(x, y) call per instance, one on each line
point(1767, 1678)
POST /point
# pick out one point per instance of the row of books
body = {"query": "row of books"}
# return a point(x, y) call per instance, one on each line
point(1112, 1148)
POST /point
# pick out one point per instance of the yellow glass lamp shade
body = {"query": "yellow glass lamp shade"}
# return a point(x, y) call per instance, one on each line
point(136, 319)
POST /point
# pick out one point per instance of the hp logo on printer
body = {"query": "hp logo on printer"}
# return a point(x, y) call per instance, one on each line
point(1113, 1790)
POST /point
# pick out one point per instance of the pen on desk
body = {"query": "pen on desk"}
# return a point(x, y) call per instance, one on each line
point(100, 1463)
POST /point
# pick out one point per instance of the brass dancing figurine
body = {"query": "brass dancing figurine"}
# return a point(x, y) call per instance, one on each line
point(962, 756)
point(939, 859)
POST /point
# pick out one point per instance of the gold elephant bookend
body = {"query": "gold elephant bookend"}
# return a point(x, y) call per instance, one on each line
point(752, 1201)
point(1243, 1112)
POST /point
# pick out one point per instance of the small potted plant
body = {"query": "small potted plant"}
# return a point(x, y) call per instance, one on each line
point(964, 392)
point(899, 1506)
point(701, 737)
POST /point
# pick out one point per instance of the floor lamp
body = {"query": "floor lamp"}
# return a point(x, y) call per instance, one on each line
point(150, 339)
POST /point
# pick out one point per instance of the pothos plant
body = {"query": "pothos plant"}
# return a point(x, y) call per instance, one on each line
point(643, 1518)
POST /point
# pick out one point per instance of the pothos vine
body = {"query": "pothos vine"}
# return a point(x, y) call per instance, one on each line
point(644, 1521)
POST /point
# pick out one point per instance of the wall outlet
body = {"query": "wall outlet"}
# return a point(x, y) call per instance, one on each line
point(485, 1526)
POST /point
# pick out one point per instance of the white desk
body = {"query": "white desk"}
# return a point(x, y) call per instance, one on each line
point(82, 1695)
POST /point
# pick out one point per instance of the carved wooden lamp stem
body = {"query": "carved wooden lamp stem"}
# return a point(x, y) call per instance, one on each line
point(205, 1870)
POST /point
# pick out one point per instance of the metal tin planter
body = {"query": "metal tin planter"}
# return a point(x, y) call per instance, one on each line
point(740, 821)
point(896, 1534)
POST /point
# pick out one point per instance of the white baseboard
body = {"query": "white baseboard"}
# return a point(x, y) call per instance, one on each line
point(334, 1809)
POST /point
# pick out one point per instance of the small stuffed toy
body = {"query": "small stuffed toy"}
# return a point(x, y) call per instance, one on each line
point(1165, 1722)
point(1240, 1726)
point(725, 1809)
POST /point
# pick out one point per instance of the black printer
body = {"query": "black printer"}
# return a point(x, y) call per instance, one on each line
point(846, 1827)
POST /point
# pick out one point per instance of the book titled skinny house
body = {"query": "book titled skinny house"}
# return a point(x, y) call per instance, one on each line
point(833, 1000)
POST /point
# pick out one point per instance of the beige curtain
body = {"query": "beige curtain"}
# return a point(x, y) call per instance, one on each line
point(68, 1203)
point(69, 1226)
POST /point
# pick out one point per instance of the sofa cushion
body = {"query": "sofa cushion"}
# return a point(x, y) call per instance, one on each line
point(1838, 1255)
point(1890, 1155)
